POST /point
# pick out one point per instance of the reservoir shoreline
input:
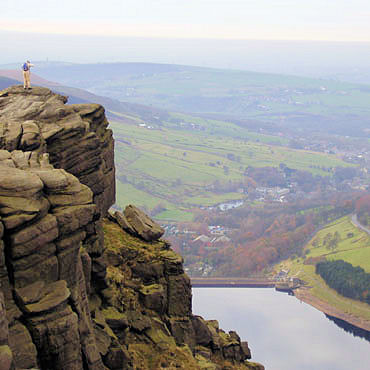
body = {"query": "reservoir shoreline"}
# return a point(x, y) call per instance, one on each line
point(302, 293)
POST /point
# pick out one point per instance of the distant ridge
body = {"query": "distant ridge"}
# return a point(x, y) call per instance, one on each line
point(274, 102)
point(79, 96)
point(38, 63)
point(6, 82)
point(288, 102)
point(17, 75)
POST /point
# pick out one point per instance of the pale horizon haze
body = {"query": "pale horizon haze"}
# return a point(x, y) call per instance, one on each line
point(317, 37)
point(320, 20)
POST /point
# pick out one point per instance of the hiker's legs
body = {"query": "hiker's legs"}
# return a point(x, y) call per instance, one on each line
point(28, 79)
point(24, 79)
point(27, 82)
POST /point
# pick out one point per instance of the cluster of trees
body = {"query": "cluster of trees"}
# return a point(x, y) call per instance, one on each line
point(282, 176)
point(330, 241)
point(347, 280)
point(266, 176)
point(363, 209)
point(260, 235)
point(346, 173)
point(274, 232)
point(254, 256)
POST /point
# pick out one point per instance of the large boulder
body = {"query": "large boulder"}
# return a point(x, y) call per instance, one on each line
point(203, 335)
point(137, 223)
point(38, 297)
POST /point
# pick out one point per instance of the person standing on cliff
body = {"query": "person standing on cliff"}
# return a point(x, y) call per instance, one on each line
point(27, 75)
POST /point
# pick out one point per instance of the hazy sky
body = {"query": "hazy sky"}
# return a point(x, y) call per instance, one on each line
point(311, 37)
point(334, 20)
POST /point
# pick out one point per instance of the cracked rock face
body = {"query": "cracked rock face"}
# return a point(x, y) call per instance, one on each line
point(45, 213)
point(74, 137)
point(70, 298)
point(56, 184)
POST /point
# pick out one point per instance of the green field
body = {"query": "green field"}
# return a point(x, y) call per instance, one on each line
point(353, 247)
point(175, 167)
point(128, 194)
point(223, 128)
point(212, 199)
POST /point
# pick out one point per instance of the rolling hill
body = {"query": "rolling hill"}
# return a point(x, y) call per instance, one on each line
point(286, 102)
point(353, 247)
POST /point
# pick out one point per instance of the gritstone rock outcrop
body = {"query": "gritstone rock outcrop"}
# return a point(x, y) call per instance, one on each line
point(79, 291)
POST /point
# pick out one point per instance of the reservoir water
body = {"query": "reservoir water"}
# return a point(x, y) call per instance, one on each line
point(283, 333)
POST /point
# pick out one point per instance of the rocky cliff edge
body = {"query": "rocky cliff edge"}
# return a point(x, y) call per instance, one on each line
point(79, 290)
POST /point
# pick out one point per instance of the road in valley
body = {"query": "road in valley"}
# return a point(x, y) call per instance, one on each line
point(357, 224)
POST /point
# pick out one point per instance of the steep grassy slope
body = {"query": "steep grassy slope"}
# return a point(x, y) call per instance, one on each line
point(353, 247)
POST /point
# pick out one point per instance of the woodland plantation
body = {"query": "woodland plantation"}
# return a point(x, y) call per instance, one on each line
point(352, 282)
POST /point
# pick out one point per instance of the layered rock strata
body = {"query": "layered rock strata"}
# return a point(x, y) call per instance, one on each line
point(45, 214)
point(71, 297)
point(56, 184)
